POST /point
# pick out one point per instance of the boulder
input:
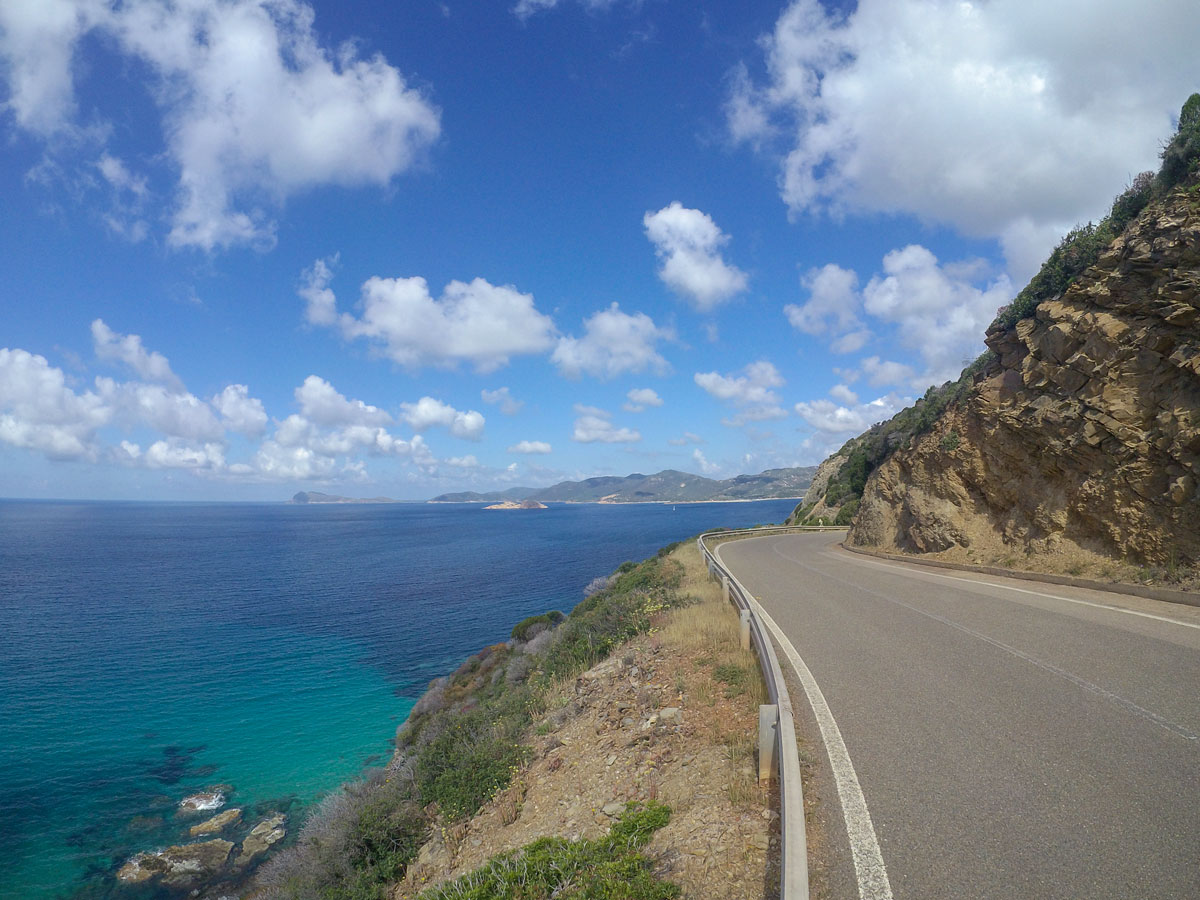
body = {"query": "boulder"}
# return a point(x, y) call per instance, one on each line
point(220, 821)
point(261, 837)
point(180, 866)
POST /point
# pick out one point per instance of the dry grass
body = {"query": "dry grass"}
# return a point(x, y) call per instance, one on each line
point(708, 631)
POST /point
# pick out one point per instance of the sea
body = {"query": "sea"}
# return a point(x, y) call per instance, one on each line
point(149, 651)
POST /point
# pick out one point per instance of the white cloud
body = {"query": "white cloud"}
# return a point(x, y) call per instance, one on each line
point(530, 447)
point(526, 8)
point(38, 411)
point(827, 416)
point(174, 454)
point(503, 398)
point(851, 342)
point(174, 413)
point(323, 405)
point(321, 304)
point(593, 426)
point(881, 371)
point(688, 244)
point(991, 117)
point(254, 109)
point(640, 398)
point(477, 322)
point(284, 463)
point(428, 412)
point(937, 309)
point(239, 411)
point(706, 467)
point(686, 438)
point(833, 302)
point(127, 348)
point(751, 393)
point(613, 343)
point(462, 462)
point(844, 394)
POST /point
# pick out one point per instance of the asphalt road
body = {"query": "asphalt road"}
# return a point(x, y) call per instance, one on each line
point(1009, 743)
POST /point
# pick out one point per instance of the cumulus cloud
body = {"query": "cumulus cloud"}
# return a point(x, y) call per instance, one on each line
point(321, 403)
point(688, 244)
point(175, 454)
point(530, 447)
point(613, 343)
point(937, 309)
point(686, 438)
point(128, 349)
point(827, 416)
point(593, 426)
point(239, 411)
point(462, 462)
point(428, 412)
point(750, 393)
point(503, 398)
point(997, 118)
point(833, 303)
point(639, 398)
point(478, 322)
point(38, 411)
point(253, 108)
point(174, 413)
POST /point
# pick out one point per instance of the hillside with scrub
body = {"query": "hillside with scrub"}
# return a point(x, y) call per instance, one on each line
point(1073, 443)
point(607, 752)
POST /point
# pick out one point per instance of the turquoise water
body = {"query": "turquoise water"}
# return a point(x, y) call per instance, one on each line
point(149, 651)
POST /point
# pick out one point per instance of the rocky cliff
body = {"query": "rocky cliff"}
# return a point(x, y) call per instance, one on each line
point(1081, 437)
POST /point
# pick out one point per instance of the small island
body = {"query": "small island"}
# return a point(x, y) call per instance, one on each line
point(513, 504)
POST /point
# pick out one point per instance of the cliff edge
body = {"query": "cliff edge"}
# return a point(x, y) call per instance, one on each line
point(1080, 435)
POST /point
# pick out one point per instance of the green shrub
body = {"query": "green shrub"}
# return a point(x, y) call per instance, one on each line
point(950, 441)
point(610, 868)
point(846, 514)
point(521, 631)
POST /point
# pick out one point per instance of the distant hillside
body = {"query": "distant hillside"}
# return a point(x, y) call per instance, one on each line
point(318, 497)
point(515, 493)
point(672, 486)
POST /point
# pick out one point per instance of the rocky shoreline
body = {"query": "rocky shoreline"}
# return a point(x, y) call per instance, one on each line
point(224, 862)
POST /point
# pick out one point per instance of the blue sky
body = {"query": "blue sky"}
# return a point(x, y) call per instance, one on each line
point(258, 246)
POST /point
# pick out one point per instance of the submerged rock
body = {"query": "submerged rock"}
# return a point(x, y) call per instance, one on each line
point(203, 801)
point(178, 866)
point(261, 837)
point(216, 823)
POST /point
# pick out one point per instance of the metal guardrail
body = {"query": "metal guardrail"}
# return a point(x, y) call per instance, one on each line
point(794, 848)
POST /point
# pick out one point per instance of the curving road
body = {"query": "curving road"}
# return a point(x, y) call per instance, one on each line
point(1011, 739)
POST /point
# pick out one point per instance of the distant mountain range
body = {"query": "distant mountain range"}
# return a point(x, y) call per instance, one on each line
point(669, 486)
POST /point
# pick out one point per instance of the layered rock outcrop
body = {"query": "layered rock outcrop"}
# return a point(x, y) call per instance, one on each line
point(1084, 433)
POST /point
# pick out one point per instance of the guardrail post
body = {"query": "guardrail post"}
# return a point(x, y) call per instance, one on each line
point(725, 587)
point(745, 629)
point(768, 721)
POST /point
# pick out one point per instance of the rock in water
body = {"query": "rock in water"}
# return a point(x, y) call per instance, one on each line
point(179, 866)
point(216, 823)
point(261, 837)
point(203, 801)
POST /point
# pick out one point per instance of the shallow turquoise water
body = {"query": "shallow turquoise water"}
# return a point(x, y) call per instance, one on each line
point(148, 651)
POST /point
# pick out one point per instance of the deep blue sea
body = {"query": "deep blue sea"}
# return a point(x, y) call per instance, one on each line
point(151, 650)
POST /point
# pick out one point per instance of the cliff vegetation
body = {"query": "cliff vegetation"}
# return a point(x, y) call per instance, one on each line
point(1073, 443)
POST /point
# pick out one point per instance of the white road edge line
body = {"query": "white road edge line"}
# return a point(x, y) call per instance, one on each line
point(873, 883)
point(897, 564)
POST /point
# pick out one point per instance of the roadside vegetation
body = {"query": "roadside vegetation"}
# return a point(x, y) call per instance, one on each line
point(465, 740)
